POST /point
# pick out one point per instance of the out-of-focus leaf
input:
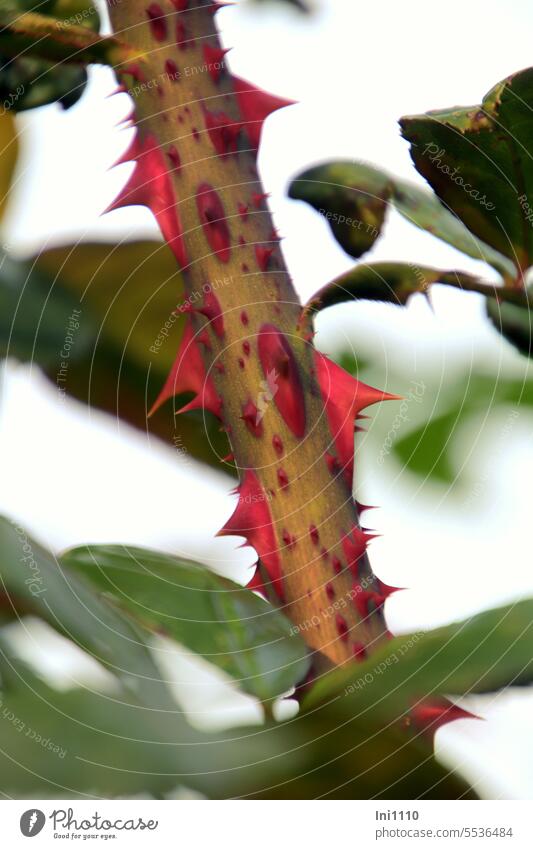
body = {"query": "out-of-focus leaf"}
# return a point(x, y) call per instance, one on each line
point(347, 757)
point(354, 205)
point(80, 743)
point(484, 653)
point(35, 582)
point(427, 449)
point(396, 282)
point(123, 299)
point(513, 322)
point(229, 626)
point(8, 154)
point(428, 437)
point(478, 159)
point(43, 56)
point(36, 318)
point(342, 188)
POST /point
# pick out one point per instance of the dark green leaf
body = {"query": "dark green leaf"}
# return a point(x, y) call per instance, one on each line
point(34, 582)
point(345, 188)
point(354, 206)
point(479, 161)
point(482, 654)
point(123, 298)
point(513, 322)
point(9, 148)
point(82, 743)
point(397, 282)
point(229, 626)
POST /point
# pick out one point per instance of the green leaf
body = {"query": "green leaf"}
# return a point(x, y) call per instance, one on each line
point(514, 322)
point(36, 583)
point(36, 318)
point(229, 626)
point(353, 205)
point(482, 654)
point(478, 159)
point(82, 743)
point(396, 282)
point(428, 449)
point(123, 299)
point(349, 757)
point(343, 188)
point(9, 148)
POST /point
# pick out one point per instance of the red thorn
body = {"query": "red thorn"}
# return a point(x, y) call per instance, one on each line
point(313, 533)
point(337, 565)
point(244, 318)
point(213, 311)
point(158, 24)
point(262, 255)
point(256, 583)
point(430, 715)
point(180, 5)
point(213, 218)
point(172, 70)
point(243, 211)
point(330, 591)
point(344, 397)
point(203, 339)
point(246, 348)
point(354, 546)
point(256, 105)
point(288, 538)
point(252, 520)
point(181, 35)
point(229, 458)
point(252, 418)
point(257, 199)
point(214, 57)
point(283, 377)
point(359, 650)
point(150, 185)
point(278, 444)
point(188, 375)
point(332, 463)
point(174, 157)
point(283, 478)
point(362, 507)
point(342, 627)
point(223, 131)
point(131, 153)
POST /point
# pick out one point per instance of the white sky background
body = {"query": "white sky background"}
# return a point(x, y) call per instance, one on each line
point(73, 476)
